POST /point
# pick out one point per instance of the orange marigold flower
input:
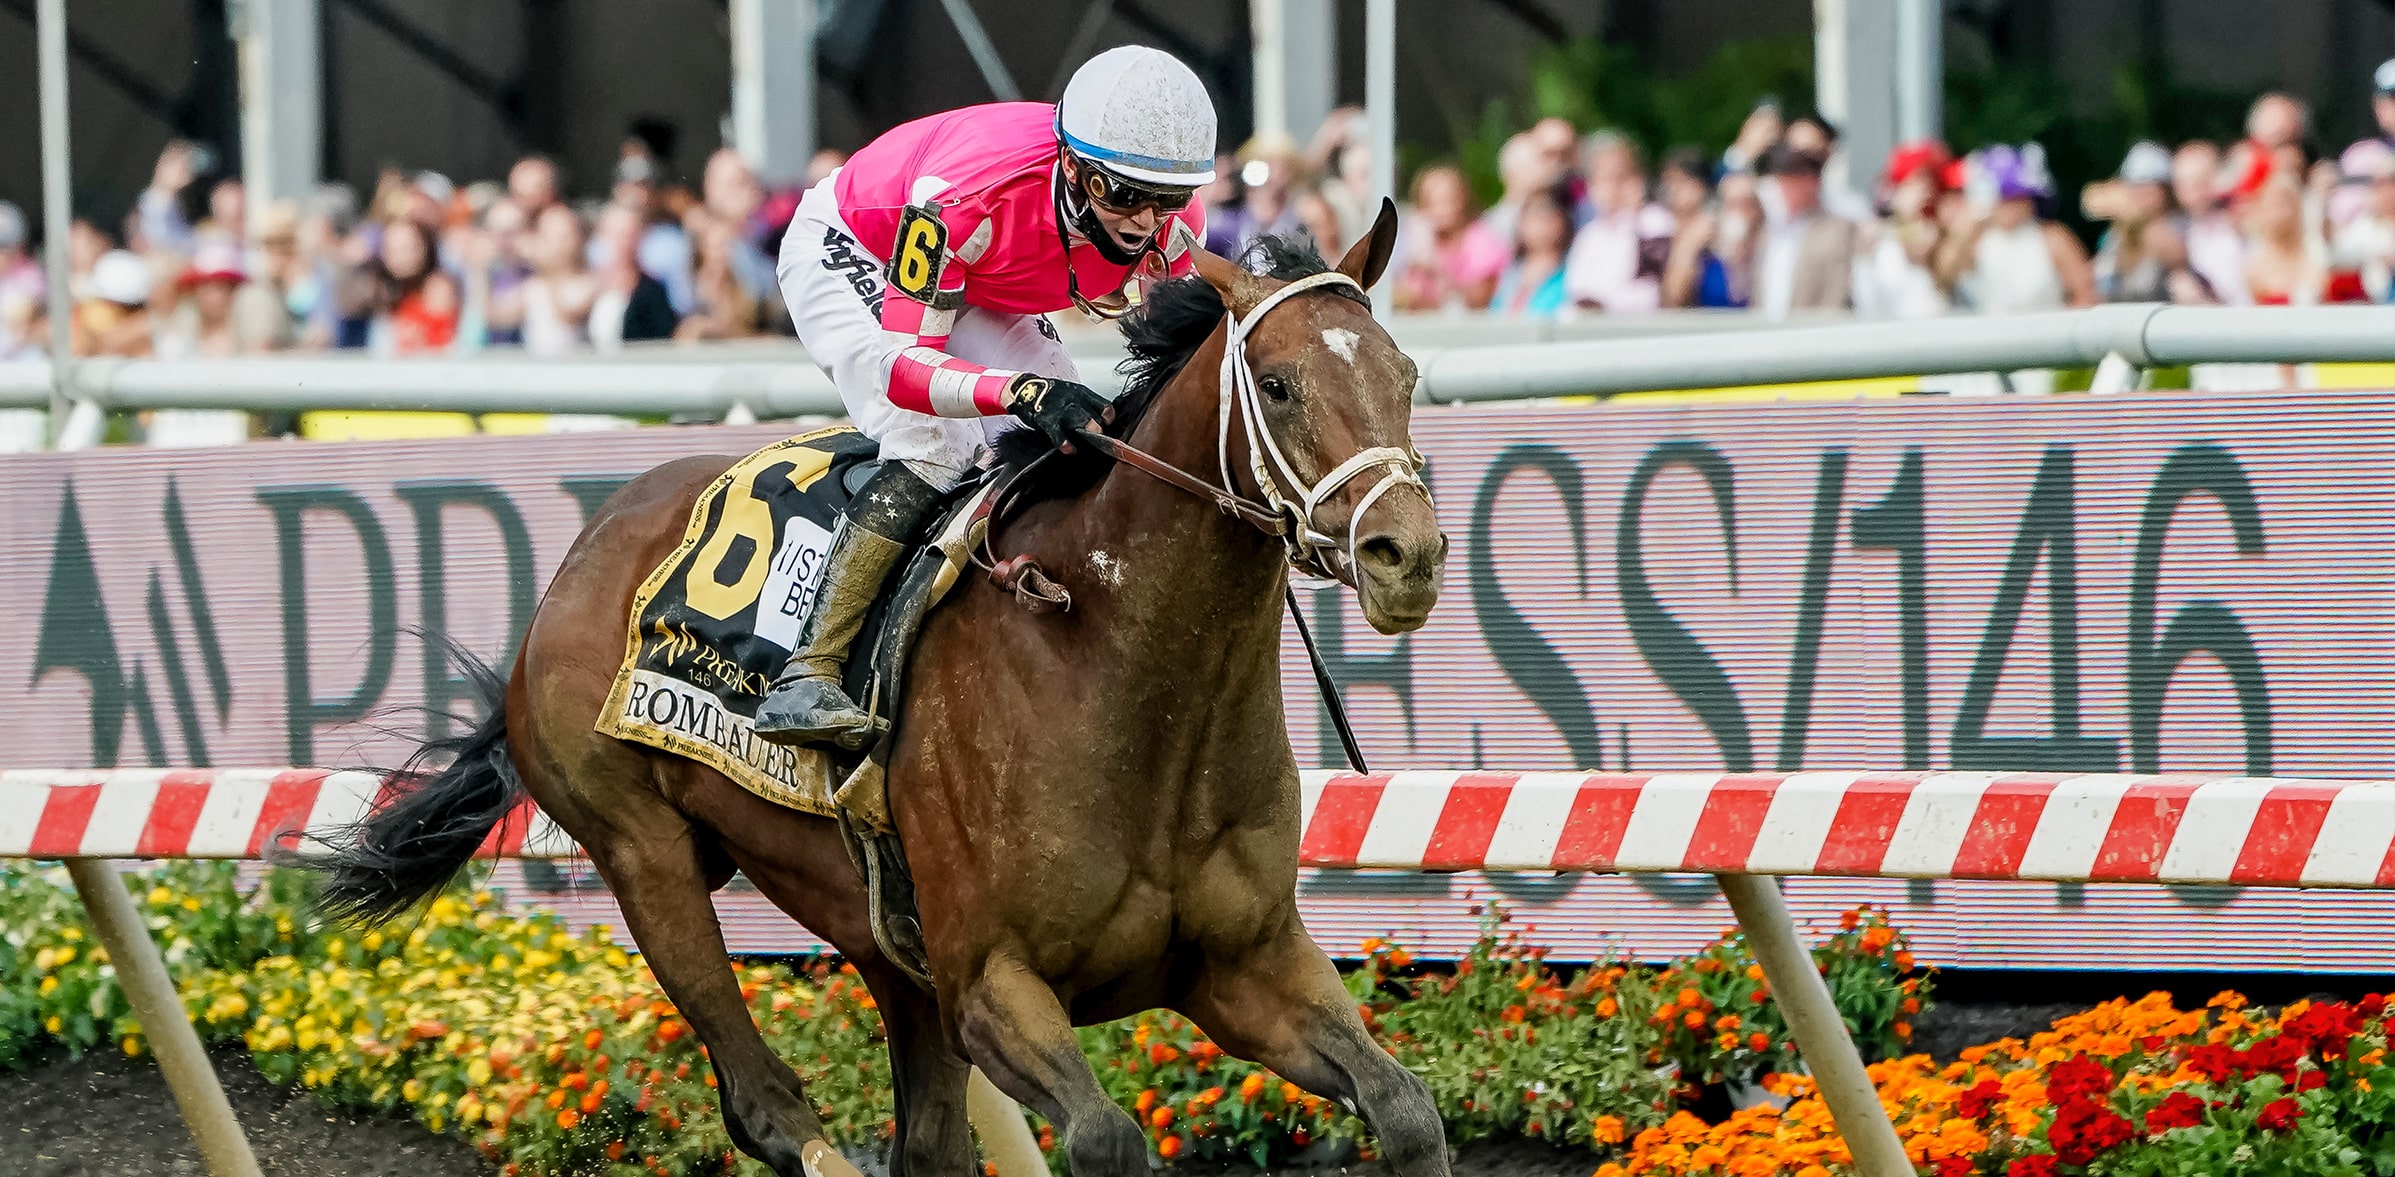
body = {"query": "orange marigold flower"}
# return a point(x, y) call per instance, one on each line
point(1251, 1087)
point(1691, 998)
point(1758, 1042)
point(1608, 1129)
point(1851, 920)
point(1754, 972)
point(1162, 1116)
point(1903, 960)
point(1607, 1007)
point(1169, 1147)
point(1695, 1020)
point(1878, 937)
point(1726, 1022)
point(1726, 1041)
point(1290, 1093)
point(1372, 944)
point(568, 1118)
point(592, 1040)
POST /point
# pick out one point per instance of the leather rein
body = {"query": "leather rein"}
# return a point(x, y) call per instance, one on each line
point(1288, 504)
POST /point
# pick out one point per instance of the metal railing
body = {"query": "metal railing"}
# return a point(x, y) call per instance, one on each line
point(2136, 336)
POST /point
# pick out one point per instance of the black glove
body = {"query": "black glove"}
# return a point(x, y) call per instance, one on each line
point(1057, 408)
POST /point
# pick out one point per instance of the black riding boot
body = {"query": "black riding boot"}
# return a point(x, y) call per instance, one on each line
point(807, 704)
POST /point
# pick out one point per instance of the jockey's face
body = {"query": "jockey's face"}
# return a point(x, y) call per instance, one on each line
point(1132, 227)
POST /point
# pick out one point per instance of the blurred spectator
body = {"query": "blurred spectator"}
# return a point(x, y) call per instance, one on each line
point(2284, 265)
point(228, 215)
point(558, 295)
point(1557, 142)
point(661, 250)
point(1605, 158)
point(1525, 171)
point(1451, 260)
point(1893, 275)
point(2366, 244)
point(1340, 159)
point(114, 320)
point(1616, 263)
point(823, 163)
point(1320, 222)
point(725, 309)
point(532, 185)
point(2130, 262)
point(1805, 261)
point(1685, 184)
point(491, 260)
point(1221, 196)
point(631, 305)
point(2214, 246)
point(2277, 120)
point(1533, 283)
point(22, 287)
point(1267, 169)
point(207, 323)
point(2007, 258)
point(1756, 137)
point(1712, 256)
point(158, 212)
point(288, 281)
point(414, 305)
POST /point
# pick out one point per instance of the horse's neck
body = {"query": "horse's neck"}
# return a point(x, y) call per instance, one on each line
point(1186, 585)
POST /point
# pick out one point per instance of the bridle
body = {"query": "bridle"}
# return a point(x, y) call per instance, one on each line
point(1290, 504)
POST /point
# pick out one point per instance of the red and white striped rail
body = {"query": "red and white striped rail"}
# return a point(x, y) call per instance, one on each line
point(2105, 828)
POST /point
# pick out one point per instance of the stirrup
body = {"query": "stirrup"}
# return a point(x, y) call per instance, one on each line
point(810, 710)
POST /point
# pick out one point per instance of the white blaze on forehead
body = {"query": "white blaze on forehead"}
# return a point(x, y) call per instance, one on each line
point(1342, 341)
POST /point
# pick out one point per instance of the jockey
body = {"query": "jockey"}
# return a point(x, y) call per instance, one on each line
point(920, 275)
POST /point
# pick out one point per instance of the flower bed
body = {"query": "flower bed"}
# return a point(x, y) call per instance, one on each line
point(2127, 1089)
point(556, 1054)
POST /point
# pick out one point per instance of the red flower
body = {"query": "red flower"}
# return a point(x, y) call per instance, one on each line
point(2041, 1165)
point(2277, 1055)
point(2213, 1062)
point(2078, 1076)
point(2373, 1005)
point(2311, 1081)
point(1955, 1167)
point(2325, 1027)
point(2278, 1115)
point(2083, 1128)
point(2177, 1110)
point(1975, 1103)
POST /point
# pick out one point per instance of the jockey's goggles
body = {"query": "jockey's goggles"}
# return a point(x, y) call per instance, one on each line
point(1121, 194)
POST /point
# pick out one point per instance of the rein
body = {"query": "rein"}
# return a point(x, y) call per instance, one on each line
point(1288, 505)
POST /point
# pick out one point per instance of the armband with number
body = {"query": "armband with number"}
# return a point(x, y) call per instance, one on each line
point(919, 256)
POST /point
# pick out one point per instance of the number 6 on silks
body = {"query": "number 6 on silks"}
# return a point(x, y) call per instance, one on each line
point(922, 249)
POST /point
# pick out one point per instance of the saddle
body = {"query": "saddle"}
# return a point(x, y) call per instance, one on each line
point(713, 622)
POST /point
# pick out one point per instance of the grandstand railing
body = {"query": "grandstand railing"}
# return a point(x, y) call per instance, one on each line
point(2119, 339)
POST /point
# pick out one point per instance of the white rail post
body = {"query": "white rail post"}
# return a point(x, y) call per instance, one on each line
point(1813, 1021)
point(142, 974)
point(58, 215)
point(1005, 1138)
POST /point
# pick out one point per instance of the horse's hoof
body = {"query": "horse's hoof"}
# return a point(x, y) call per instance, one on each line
point(822, 1160)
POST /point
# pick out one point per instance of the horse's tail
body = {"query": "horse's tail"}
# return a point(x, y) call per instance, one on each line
point(428, 823)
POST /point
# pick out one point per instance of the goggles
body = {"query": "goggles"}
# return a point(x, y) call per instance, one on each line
point(1121, 194)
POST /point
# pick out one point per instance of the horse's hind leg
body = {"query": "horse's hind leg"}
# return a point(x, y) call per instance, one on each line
point(1283, 1006)
point(1020, 1037)
point(652, 862)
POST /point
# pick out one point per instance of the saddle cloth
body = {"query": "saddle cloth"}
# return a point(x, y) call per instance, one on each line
point(713, 623)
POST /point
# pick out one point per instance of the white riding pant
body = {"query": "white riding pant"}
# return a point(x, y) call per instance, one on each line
point(834, 290)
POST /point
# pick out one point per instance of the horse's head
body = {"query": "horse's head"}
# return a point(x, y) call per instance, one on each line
point(1332, 402)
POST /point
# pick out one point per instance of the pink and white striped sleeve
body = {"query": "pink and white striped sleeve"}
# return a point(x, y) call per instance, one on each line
point(924, 378)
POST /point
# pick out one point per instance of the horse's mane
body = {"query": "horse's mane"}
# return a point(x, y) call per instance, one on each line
point(1159, 338)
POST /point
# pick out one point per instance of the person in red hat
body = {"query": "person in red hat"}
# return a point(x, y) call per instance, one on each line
point(1894, 279)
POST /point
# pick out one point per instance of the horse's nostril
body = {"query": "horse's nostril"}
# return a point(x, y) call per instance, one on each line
point(1380, 550)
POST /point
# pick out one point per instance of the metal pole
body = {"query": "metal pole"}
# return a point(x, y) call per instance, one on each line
point(985, 52)
point(1813, 1020)
point(1380, 94)
point(1005, 1139)
point(142, 973)
point(1269, 63)
point(1920, 69)
point(57, 196)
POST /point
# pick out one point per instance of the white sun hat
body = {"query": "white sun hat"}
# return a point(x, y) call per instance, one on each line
point(1142, 114)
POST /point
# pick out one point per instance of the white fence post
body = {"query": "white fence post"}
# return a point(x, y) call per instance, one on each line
point(1814, 1021)
point(141, 972)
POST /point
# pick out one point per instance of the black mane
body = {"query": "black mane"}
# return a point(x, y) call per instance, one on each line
point(1160, 337)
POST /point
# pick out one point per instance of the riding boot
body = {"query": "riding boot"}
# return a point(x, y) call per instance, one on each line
point(807, 705)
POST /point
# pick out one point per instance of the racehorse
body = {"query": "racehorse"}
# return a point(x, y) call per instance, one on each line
point(1100, 805)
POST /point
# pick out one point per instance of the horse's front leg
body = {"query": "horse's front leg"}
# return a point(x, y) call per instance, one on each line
point(1282, 1005)
point(1019, 1035)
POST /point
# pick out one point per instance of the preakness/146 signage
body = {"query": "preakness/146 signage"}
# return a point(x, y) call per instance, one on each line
point(2076, 584)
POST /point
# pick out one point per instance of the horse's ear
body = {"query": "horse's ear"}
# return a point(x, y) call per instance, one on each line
point(1240, 290)
point(1368, 257)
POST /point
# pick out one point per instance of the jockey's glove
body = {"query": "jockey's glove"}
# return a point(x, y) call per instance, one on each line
point(1055, 407)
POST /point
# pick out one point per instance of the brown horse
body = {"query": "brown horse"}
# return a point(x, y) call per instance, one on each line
point(1100, 806)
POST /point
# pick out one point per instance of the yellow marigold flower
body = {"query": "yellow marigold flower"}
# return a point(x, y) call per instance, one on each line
point(1608, 1129)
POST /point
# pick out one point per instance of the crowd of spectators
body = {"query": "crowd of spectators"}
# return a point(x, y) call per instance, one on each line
point(1583, 226)
point(422, 265)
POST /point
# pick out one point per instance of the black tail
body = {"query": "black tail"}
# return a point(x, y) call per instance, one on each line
point(430, 821)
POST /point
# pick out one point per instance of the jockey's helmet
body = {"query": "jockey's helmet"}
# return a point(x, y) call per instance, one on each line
point(1140, 130)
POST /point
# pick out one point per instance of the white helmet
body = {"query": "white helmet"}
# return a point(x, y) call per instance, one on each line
point(1141, 114)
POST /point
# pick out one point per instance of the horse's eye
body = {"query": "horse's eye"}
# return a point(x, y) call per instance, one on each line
point(1274, 387)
